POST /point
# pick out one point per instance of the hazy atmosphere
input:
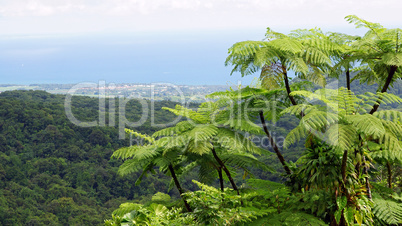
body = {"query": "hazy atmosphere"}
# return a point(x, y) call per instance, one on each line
point(180, 41)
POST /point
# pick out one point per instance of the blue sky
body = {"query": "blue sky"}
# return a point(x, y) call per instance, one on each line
point(177, 41)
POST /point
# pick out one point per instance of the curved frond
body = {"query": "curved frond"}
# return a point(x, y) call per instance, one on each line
point(188, 113)
point(131, 166)
point(295, 135)
point(140, 135)
point(178, 128)
point(367, 124)
point(342, 136)
point(389, 115)
point(125, 152)
point(388, 211)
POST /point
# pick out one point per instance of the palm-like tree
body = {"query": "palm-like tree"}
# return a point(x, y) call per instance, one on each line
point(212, 133)
point(152, 153)
point(379, 51)
point(305, 52)
point(343, 122)
point(343, 60)
point(258, 103)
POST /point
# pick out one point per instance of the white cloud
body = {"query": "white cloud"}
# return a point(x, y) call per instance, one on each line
point(30, 52)
point(47, 16)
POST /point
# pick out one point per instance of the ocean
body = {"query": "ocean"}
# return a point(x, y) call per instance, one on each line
point(185, 57)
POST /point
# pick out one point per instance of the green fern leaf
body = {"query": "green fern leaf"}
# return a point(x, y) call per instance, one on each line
point(388, 211)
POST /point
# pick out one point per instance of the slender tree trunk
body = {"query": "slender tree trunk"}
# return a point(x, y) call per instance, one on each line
point(389, 175)
point(357, 166)
point(273, 144)
point(344, 164)
point(285, 77)
point(220, 178)
point(365, 171)
point(226, 171)
point(385, 87)
point(348, 79)
point(181, 191)
point(374, 109)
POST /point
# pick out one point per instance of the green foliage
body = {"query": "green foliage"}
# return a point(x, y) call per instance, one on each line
point(154, 214)
point(53, 172)
point(388, 212)
point(290, 218)
point(214, 207)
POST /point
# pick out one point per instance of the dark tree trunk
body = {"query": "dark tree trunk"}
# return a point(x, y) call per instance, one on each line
point(285, 77)
point(344, 163)
point(389, 175)
point(365, 171)
point(273, 144)
point(226, 171)
point(181, 191)
point(220, 178)
point(385, 87)
point(348, 79)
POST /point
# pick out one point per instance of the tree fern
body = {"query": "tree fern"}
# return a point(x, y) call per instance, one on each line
point(367, 124)
point(341, 136)
point(295, 135)
point(388, 212)
point(289, 218)
point(389, 115)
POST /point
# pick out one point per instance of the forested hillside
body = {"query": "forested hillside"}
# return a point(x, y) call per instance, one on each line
point(55, 173)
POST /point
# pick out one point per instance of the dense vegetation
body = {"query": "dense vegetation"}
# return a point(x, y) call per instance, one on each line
point(350, 170)
point(340, 163)
point(55, 173)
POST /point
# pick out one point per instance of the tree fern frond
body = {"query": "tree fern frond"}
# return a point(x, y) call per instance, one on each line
point(146, 168)
point(207, 173)
point(298, 109)
point(315, 75)
point(179, 127)
point(131, 166)
point(389, 115)
point(358, 22)
point(244, 161)
point(392, 127)
point(295, 135)
point(271, 77)
point(342, 136)
point(246, 48)
point(200, 147)
point(367, 124)
point(235, 141)
point(125, 152)
point(287, 45)
point(392, 59)
point(140, 135)
point(388, 211)
point(202, 132)
point(315, 120)
point(316, 56)
point(188, 113)
point(392, 146)
point(166, 159)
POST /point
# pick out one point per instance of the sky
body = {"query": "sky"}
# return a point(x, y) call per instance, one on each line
point(177, 41)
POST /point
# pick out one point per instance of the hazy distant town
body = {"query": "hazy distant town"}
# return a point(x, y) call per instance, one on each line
point(157, 91)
